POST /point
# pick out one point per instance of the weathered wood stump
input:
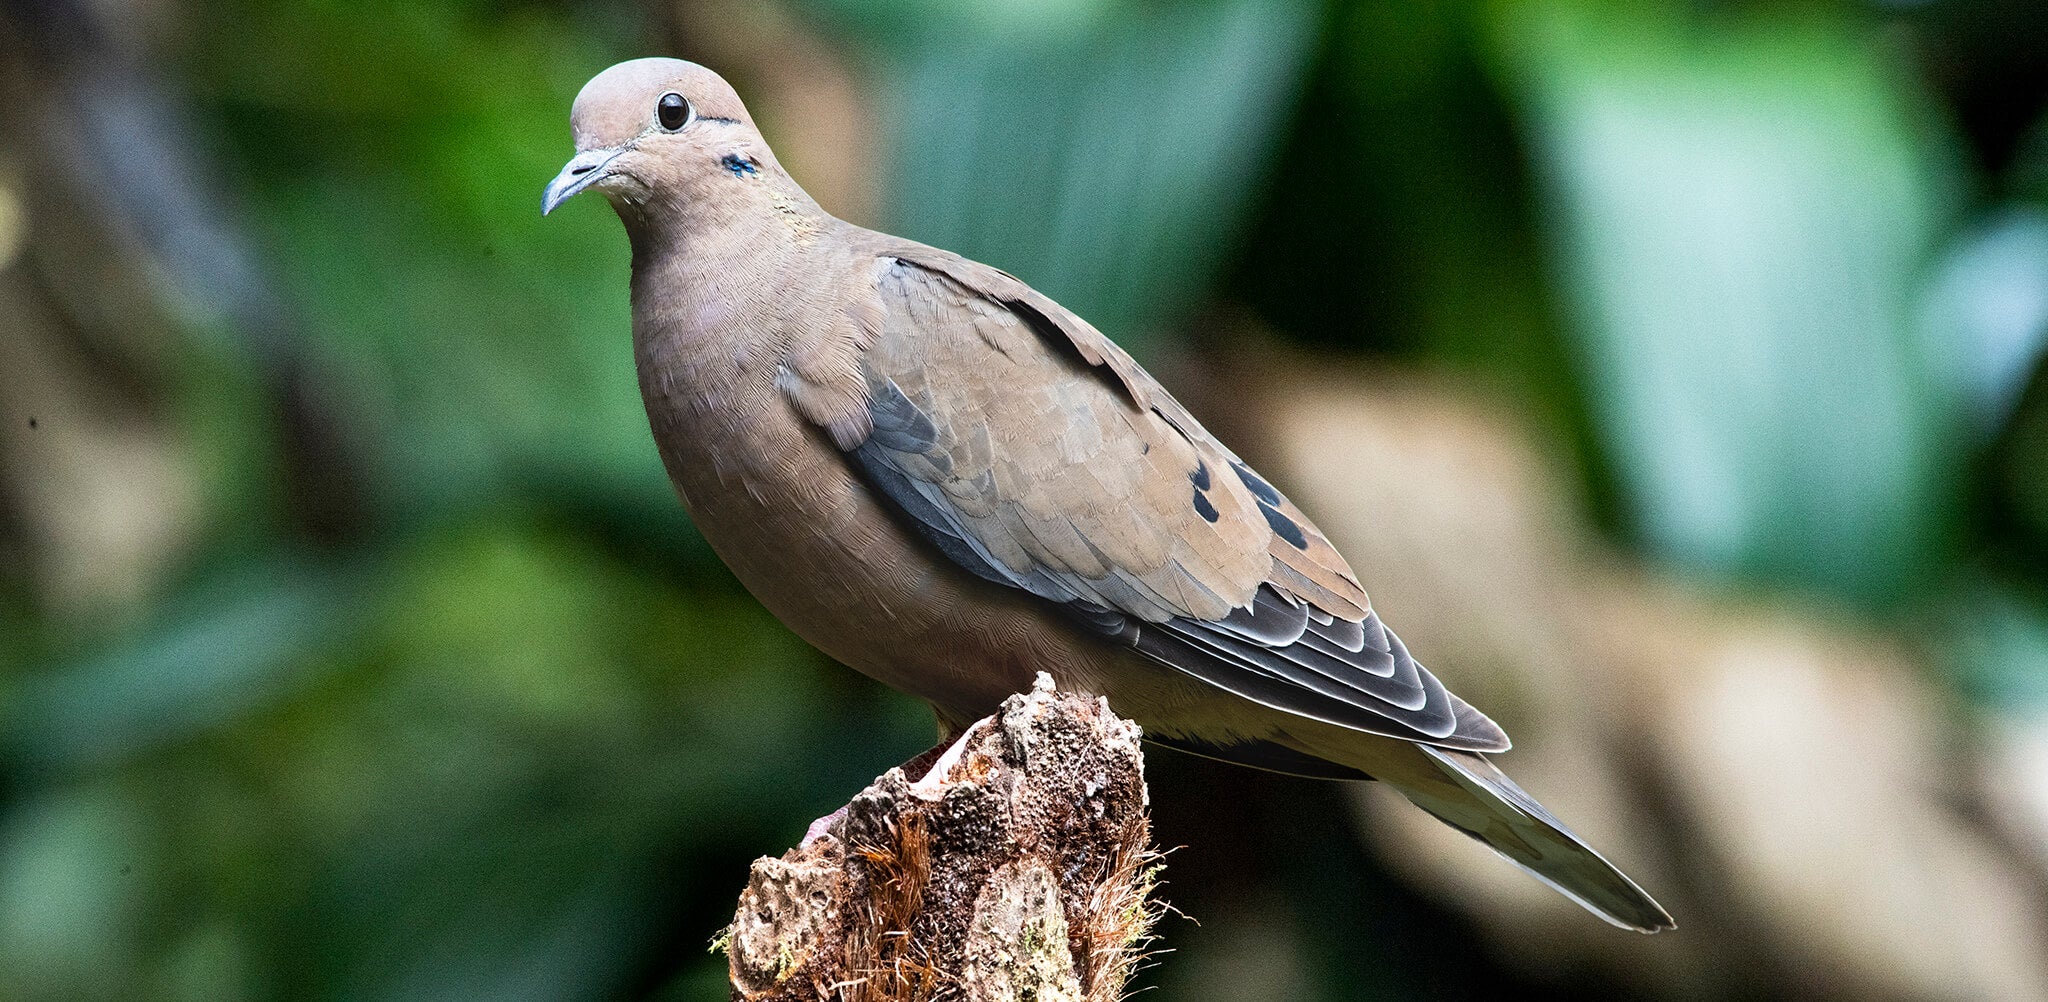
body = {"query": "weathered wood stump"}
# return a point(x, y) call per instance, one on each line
point(1020, 869)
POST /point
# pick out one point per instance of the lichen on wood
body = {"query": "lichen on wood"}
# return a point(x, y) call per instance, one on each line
point(1019, 870)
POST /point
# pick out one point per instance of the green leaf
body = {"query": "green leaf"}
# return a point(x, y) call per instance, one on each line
point(1744, 205)
point(1108, 167)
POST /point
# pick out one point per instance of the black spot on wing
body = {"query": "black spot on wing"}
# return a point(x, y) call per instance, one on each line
point(1284, 527)
point(1259, 488)
point(1200, 478)
point(1269, 506)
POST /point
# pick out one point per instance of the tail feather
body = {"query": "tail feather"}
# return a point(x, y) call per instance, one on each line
point(1483, 802)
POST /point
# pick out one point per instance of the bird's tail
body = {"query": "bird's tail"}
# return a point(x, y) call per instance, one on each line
point(1478, 799)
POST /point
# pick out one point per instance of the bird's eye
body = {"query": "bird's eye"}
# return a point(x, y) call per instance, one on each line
point(673, 111)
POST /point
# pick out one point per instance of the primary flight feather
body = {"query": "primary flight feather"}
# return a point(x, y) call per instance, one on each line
point(944, 479)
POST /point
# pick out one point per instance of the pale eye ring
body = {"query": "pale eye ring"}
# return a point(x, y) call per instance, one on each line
point(673, 112)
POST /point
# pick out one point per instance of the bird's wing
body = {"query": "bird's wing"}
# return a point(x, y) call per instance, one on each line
point(1036, 454)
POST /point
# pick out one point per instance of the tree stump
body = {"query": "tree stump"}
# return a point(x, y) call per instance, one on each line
point(1020, 868)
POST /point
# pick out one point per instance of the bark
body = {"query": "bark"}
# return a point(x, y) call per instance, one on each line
point(1020, 868)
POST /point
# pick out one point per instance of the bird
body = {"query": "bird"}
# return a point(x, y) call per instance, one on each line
point(940, 477)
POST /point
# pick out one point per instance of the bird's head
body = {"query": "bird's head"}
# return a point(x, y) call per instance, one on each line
point(646, 128)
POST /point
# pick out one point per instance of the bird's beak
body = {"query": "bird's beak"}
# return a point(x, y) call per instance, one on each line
point(583, 170)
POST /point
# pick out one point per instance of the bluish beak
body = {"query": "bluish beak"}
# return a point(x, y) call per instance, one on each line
point(583, 170)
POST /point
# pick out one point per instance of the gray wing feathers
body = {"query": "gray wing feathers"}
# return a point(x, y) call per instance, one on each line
point(1377, 691)
point(929, 452)
point(1277, 651)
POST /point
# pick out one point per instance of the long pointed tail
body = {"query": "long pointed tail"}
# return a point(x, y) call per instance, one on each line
point(1478, 799)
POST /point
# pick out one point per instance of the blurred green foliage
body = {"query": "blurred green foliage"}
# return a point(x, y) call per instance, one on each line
point(510, 731)
point(476, 762)
point(1773, 415)
point(1166, 117)
point(478, 350)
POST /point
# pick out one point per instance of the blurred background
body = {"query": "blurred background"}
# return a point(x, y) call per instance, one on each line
point(1671, 371)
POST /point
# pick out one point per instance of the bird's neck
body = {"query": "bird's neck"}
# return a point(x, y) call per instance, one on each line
point(718, 303)
point(715, 216)
point(710, 267)
point(717, 297)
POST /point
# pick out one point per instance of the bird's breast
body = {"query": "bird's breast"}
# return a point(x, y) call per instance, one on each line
point(782, 507)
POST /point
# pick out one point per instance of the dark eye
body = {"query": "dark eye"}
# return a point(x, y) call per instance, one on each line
point(673, 111)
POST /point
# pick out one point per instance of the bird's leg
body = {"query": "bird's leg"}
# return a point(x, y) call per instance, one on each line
point(927, 768)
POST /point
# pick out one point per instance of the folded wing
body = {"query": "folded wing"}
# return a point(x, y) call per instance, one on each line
point(1036, 454)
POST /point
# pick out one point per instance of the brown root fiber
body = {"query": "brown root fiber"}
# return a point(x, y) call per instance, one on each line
point(1022, 874)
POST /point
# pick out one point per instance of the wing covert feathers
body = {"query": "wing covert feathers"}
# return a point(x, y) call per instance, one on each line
point(1035, 453)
